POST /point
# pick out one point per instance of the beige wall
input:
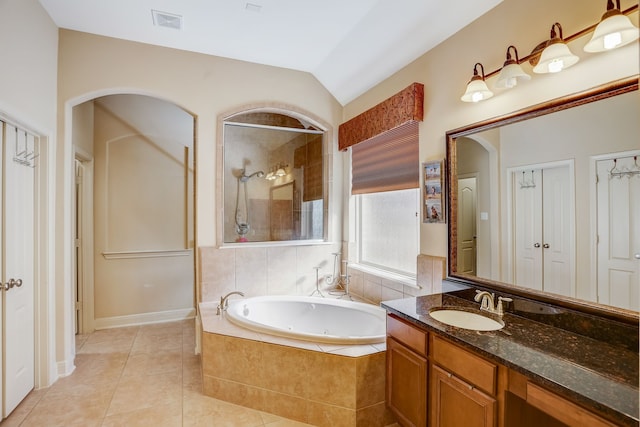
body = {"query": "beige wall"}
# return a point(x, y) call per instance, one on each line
point(83, 130)
point(28, 77)
point(204, 85)
point(28, 85)
point(446, 69)
point(143, 234)
point(208, 87)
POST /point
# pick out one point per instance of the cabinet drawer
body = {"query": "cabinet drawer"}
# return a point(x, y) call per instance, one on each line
point(474, 369)
point(561, 409)
point(409, 335)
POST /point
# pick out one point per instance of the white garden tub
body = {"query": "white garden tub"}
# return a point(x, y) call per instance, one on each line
point(324, 320)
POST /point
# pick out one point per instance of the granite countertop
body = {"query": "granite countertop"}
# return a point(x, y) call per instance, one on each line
point(596, 374)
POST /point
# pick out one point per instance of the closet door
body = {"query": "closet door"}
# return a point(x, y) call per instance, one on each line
point(528, 228)
point(557, 232)
point(619, 233)
point(544, 230)
point(18, 210)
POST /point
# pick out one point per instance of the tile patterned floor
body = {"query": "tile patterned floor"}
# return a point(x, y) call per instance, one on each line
point(136, 376)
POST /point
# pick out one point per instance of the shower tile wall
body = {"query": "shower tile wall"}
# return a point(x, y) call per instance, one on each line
point(290, 270)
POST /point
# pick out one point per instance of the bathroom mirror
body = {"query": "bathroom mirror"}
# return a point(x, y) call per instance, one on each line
point(273, 178)
point(543, 202)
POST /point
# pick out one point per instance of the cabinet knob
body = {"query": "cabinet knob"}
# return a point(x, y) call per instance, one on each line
point(536, 245)
point(546, 246)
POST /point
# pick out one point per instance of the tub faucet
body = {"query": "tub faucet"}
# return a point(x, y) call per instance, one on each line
point(224, 301)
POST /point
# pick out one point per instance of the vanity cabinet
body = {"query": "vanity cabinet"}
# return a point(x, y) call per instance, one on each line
point(406, 381)
point(463, 387)
point(455, 402)
point(436, 382)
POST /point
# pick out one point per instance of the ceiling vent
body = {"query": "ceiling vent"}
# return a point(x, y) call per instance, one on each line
point(168, 20)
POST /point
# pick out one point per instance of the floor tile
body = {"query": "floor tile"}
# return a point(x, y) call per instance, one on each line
point(136, 376)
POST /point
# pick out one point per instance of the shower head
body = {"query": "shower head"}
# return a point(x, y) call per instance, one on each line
point(244, 177)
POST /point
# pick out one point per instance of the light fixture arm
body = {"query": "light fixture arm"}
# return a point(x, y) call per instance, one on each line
point(475, 70)
point(553, 32)
point(510, 58)
point(612, 9)
point(610, 5)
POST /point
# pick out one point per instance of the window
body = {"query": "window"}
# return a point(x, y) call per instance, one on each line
point(388, 230)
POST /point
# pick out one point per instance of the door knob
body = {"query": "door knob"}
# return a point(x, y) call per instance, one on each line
point(12, 283)
point(536, 245)
point(637, 256)
point(546, 246)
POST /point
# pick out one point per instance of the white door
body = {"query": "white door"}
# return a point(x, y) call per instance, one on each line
point(618, 204)
point(467, 227)
point(18, 209)
point(527, 223)
point(557, 232)
point(544, 229)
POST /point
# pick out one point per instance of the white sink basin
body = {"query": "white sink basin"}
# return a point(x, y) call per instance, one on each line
point(466, 320)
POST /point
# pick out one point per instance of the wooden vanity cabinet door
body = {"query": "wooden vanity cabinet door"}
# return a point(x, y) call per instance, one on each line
point(455, 403)
point(406, 391)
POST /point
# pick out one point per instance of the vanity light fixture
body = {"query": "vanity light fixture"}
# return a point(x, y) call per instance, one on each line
point(613, 31)
point(477, 89)
point(270, 176)
point(556, 56)
point(280, 172)
point(511, 71)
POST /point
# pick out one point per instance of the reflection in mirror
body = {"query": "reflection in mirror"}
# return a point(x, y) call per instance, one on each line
point(551, 203)
point(273, 179)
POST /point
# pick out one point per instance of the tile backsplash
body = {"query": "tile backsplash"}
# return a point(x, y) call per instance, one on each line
point(290, 271)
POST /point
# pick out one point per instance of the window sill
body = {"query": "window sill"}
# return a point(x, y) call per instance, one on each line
point(404, 279)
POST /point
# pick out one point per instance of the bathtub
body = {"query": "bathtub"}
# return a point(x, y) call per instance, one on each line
point(323, 320)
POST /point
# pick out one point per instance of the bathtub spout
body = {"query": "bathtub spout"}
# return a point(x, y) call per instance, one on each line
point(224, 301)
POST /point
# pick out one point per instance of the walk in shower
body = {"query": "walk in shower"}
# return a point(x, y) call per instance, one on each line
point(273, 179)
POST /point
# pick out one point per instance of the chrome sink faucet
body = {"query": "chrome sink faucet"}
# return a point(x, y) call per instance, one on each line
point(487, 301)
point(224, 301)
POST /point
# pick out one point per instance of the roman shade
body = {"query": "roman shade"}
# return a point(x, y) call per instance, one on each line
point(386, 162)
point(384, 143)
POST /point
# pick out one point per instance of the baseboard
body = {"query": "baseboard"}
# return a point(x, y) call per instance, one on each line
point(145, 318)
point(65, 368)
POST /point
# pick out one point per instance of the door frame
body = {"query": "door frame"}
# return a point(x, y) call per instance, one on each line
point(593, 209)
point(87, 322)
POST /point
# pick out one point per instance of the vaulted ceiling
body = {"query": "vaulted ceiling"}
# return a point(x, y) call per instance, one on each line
point(348, 45)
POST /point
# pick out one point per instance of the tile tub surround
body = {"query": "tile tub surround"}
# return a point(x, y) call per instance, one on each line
point(596, 374)
point(289, 270)
point(323, 385)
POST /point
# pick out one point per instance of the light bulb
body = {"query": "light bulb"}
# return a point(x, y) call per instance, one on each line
point(556, 66)
point(612, 40)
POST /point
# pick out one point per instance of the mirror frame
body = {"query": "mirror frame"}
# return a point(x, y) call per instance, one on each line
point(604, 91)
